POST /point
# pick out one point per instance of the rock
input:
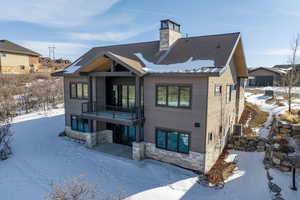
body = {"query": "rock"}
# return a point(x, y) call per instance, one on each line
point(260, 149)
point(286, 163)
point(274, 188)
point(269, 176)
point(279, 155)
point(252, 149)
point(286, 126)
point(284, 169)
point(279, 197)
point(62, 134)
point(276, 160)
point(296, 127)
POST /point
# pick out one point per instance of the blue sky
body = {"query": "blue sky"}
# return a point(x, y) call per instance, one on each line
point(74, 26)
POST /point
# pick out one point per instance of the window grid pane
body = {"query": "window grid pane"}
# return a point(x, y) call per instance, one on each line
point(173, 96)
point(161, 139)
point(131, 96)
point(185, 97)
point(74, 125)
point(162, 95)
point(79, 90)
point(73, 90)
point(124, 96)
point(85, 91)
point(183, 143)
point(172, 141)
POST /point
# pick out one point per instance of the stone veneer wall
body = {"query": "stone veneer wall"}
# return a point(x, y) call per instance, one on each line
point(90, 139)
point(105, 136)
point(75, 134)
point(193, 160)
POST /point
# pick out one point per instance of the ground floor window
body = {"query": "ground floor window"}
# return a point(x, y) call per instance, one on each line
point(79, 124)
point(172, 140)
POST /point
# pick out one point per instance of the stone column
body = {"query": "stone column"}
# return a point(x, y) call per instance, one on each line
point(91, 140)
point(138, 150)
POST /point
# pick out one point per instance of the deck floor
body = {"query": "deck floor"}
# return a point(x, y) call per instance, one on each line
point(114, 114)
point(115, 149)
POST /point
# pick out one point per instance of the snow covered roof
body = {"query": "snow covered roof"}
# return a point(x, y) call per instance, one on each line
point(189, 66)
point(203, 54)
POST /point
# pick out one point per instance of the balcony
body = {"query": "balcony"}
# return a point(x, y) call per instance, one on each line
point(111, 114)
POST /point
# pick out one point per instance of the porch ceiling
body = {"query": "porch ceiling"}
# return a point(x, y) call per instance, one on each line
point(104, 62)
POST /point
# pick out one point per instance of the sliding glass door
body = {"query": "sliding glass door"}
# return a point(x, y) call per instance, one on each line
point(123, 134)
point(124, 96)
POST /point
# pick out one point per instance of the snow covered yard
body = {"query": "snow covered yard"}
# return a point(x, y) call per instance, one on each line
point(282, 179)
point(41, 157)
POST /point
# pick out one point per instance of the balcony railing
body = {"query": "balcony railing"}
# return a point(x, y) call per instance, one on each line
point(107, 111)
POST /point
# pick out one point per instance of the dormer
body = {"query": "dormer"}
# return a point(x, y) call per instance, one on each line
point(169, 34)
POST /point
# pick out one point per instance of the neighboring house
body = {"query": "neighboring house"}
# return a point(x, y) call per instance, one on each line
point(48, 65)
point(174, 100)
point(15, 59)
point(264, 76)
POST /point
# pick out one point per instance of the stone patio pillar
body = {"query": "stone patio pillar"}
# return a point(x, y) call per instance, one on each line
point(138, 150)
point(91, 140)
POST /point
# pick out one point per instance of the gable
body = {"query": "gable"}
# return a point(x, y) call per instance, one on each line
point(263, 72)
point(239, 60)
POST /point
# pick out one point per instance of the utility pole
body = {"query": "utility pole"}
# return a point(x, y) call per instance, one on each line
point(52, 52)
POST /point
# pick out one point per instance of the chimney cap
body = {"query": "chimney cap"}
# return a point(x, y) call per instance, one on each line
point(169, 24)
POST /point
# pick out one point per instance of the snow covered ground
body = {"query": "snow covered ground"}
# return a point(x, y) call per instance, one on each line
point(41, 158)
point(295, 90)
point(283, 179)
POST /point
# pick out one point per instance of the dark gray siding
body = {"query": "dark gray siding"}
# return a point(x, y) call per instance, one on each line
point(177, 118)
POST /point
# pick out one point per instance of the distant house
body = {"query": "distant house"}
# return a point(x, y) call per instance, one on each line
point(48, 65)
point(264, 76)
point(15, 59)
point(174, 99)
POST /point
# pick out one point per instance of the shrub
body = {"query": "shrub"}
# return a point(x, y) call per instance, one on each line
point(292, 117)
point(5, 141)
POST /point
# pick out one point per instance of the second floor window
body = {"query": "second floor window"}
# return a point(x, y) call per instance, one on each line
point(79, 91)
point(173, 96)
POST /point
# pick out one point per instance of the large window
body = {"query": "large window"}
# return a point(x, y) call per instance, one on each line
point(229, 93)
point(79, 124)
point(172, 141)
point(173, 96)
point(124, 95)
point(79, 91)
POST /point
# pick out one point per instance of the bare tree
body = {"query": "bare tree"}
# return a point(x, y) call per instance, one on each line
point(78, 189)
point(73, 189)
point(292, 77)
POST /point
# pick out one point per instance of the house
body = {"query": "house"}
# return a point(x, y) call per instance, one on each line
point(15, 59)
point(265, 76)
point(48, 65)
point(175, 100)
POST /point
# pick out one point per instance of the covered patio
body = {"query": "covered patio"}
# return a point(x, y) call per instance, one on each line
point(115, 150)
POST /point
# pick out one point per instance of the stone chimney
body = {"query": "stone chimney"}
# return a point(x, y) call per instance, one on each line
point(169, 33)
